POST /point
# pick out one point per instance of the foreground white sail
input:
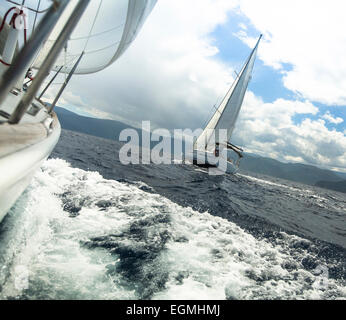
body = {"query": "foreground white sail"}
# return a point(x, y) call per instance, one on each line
point(72, 36)
point(215, 139)
point(104, 32)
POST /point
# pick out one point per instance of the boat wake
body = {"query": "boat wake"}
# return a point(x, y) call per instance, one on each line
point(76, 235)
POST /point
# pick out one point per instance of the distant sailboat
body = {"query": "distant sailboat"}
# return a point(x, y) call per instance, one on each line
point(209, 147)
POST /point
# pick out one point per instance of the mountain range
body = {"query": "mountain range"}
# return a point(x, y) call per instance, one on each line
point(302, 173)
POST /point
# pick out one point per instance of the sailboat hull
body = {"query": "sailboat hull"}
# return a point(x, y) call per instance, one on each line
point(17, 166)
point(208, 160)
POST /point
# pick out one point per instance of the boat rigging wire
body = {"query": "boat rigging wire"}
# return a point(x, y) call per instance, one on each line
point(97, 34)
point(66, 55)
point(93, 25)
point(30, 9)
point(38, 7)
point(93, 51)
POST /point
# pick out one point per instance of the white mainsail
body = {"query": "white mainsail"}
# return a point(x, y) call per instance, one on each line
point(105, 31)
point(227, 114)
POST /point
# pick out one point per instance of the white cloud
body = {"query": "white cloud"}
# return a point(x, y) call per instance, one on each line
point(332, 119)
point(171, 76)
point(309, 35)
point(268, 129)
point(242, 26)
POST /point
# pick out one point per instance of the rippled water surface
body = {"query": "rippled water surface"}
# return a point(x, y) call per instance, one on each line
point(90, 228)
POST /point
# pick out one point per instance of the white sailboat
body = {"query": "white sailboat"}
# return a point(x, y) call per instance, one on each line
point(71, 37)
point(212, 146)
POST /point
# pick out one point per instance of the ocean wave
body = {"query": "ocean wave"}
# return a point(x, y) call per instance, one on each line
point(81, 236)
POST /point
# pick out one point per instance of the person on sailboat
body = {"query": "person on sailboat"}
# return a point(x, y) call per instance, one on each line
point(217, 150)
point(29, 75)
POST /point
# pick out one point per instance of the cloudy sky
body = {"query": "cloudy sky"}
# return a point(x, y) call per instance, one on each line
point(183, 63)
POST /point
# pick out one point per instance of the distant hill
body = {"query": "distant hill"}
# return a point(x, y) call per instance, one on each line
point(108, 129)
point(307, 174)
point(303, 173)
point(342, 175)
point(336, 186)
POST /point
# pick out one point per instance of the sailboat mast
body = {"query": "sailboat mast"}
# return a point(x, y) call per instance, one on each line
point(226, 115)
point(24, 104)
point(240, 76)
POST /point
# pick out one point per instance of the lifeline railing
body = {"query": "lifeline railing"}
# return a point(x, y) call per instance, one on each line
point(23, 60)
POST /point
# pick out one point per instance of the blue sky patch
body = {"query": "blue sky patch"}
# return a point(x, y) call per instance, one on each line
point(267, 82)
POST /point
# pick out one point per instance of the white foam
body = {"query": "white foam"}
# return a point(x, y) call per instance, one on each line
point(266, 182)
point(206, 257)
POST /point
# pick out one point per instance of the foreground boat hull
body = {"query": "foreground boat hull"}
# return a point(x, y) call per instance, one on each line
point(216, 166)
point(18, 167)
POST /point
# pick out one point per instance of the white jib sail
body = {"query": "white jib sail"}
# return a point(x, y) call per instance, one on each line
point(227, 114)
point(104, 32)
